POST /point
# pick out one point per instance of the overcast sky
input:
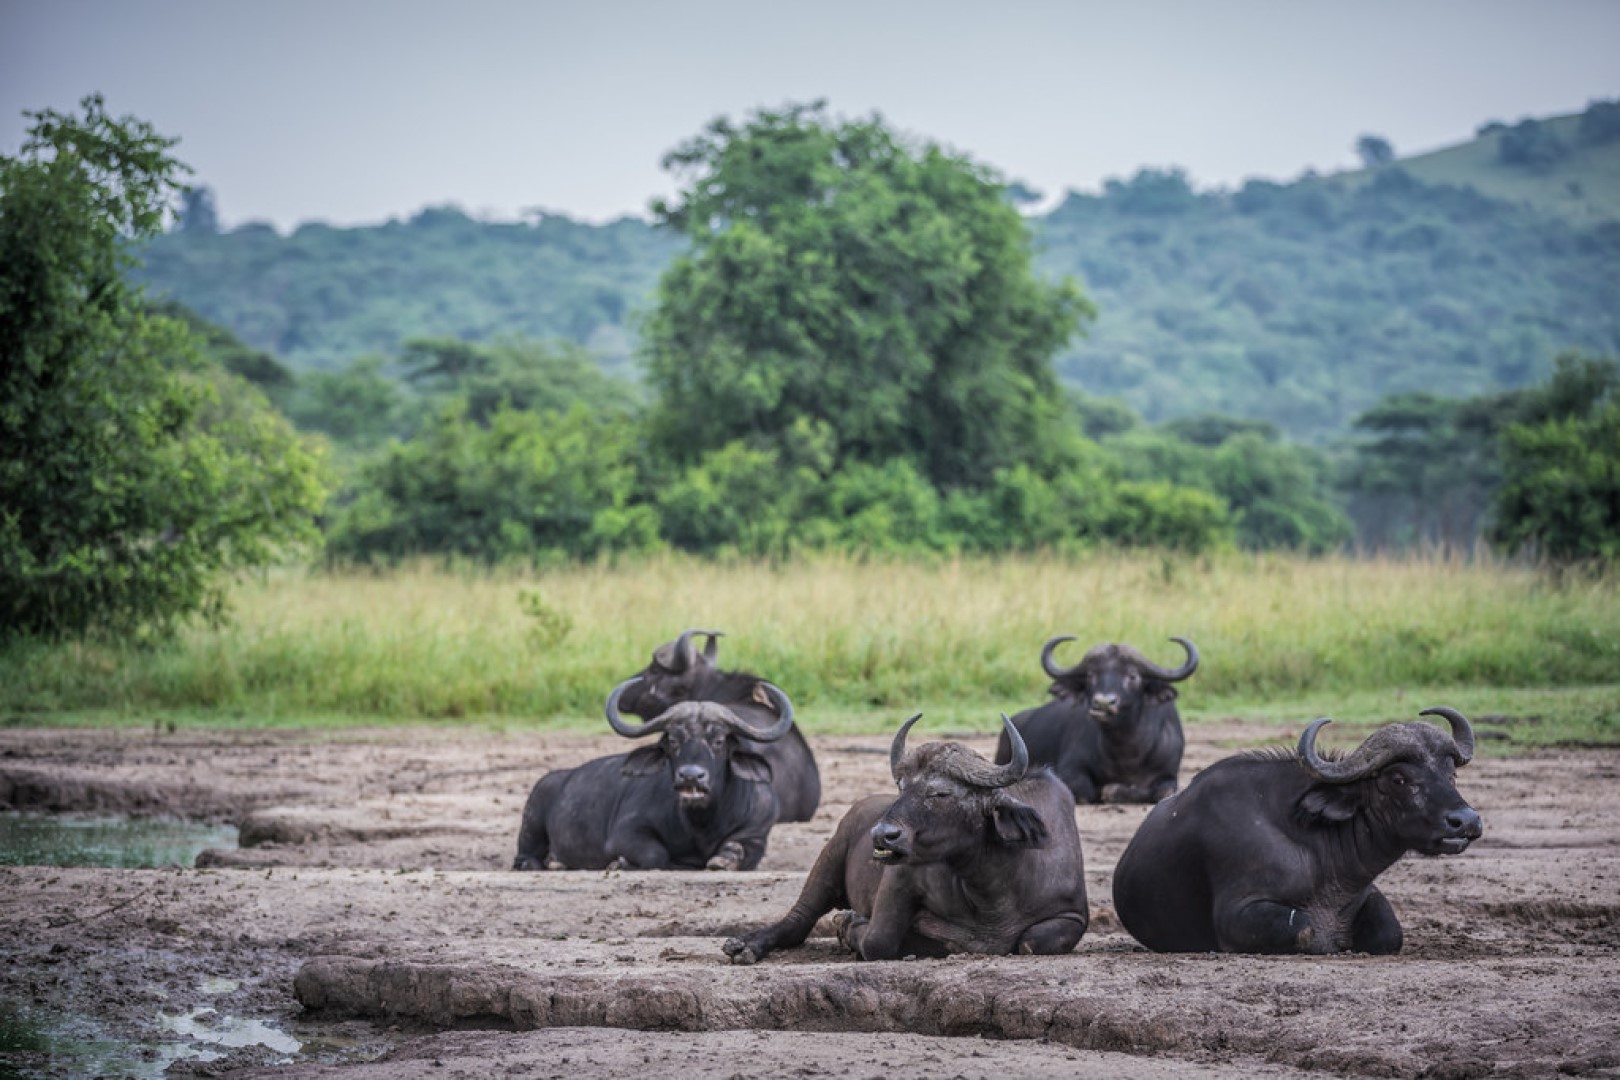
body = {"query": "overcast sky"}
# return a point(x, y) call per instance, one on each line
point(355, 111)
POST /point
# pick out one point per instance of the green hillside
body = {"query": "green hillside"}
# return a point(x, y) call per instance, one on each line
point(1582, 188)
point(1302, 304)
point(321, 296)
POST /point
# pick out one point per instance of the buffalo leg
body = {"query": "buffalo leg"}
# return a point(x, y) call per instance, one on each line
point(1375, 928)
point(731, 856)
point(1262, 926)
point(533, 845)
point(637, 851)
point(1052, 937)
point(823, 890)
point(888, 934)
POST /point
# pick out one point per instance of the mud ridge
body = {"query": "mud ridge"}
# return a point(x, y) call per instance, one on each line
point(951, 999)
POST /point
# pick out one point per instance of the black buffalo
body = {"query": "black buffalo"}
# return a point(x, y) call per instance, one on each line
point(971, 857)
point(1113, 734)
point(679, 672)
point(1270, 852)
point(697, 798)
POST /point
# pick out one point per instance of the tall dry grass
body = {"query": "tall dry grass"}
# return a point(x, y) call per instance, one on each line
point(839, 633)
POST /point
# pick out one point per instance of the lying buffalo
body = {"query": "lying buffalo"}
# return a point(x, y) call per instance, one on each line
point(699, 797)
point(971, 857)
point(1274, 852)
point(1113, 734)
point(679, 672)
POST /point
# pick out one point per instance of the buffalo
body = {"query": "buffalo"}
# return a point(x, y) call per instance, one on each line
point(1113, 734)
point(1276, 852)
point(698, 798)
point(972, 857)
point(679, 672)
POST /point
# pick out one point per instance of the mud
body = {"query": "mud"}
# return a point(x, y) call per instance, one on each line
point(369, 916)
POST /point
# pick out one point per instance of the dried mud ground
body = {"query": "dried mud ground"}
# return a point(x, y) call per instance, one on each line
point(369, 915)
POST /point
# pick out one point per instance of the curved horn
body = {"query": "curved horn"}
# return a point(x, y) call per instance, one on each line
point(1462, 732)
point(1176, 674)
point(1014, 770)
point(623, 726)
point(711, 648)
point(685, 654)
point(1049, 666)
point(1354, 767)
point(784, 708)
point(897, 749)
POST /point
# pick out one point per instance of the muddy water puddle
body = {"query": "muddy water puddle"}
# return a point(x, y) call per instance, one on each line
point(29, 839)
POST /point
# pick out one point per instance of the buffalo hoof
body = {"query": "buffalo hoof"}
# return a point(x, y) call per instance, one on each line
point(740, 951)
point(845, 923)
point(527, 862)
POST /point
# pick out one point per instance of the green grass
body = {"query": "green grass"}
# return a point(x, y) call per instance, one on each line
point(862, 644)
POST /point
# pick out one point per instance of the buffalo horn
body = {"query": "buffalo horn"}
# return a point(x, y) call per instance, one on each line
point(1014, 770)
point(1049, 666)
point(784, 721)
point(1462, 732)
point(623, 726)
point(897, 749)
point(1354, 767)
point(1176, 675)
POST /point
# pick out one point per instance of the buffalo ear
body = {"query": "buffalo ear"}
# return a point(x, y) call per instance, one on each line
point(746, 765)
point(1330, 802)
point(1016, 824)
point(1158, 693)
point(643, 760)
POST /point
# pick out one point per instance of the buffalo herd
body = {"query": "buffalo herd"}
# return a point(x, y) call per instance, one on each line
point(1267, 851)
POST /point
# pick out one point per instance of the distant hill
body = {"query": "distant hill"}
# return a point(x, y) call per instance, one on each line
point(322, 296)
point(1461, 271)
point(1581, 187)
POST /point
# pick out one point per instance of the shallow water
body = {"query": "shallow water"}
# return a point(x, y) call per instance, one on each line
point(29, 839)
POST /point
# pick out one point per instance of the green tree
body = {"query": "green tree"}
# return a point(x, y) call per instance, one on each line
point(841, 275)
point(1560, 493)
point(133, 474)
point(197, 211)
point(513, 372)
point(1374, 151)
point(521, 486)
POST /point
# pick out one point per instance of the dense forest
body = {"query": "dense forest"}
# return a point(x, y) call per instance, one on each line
point(1299, 304)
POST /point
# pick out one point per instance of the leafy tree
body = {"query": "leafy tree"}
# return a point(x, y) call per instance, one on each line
point(133, 474)
point(359, 406)
point(1423, 469)
point(1600, 123)
point(841, 275)
point(1374, 151)
point(518, 487)
point(221, 347)
point(516, 373)
point(1560, 493)
point(1530, 144)
point(1273, 495)
point(197, 211)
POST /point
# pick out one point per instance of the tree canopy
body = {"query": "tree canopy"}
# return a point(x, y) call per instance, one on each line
point(842, 276)
point(134, 473)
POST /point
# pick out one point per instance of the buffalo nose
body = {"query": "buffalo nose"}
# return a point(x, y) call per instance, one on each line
point(692, 774)
point(885, 835)
point(1464, 822)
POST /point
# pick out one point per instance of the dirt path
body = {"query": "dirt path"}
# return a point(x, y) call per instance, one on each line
point(370, 911)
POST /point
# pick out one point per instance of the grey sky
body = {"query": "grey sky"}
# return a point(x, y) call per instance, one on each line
point(355, 111)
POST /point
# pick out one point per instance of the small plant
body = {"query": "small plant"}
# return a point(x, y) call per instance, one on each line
point(548, 625)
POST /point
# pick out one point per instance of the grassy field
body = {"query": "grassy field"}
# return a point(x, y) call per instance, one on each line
point(859, 644)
